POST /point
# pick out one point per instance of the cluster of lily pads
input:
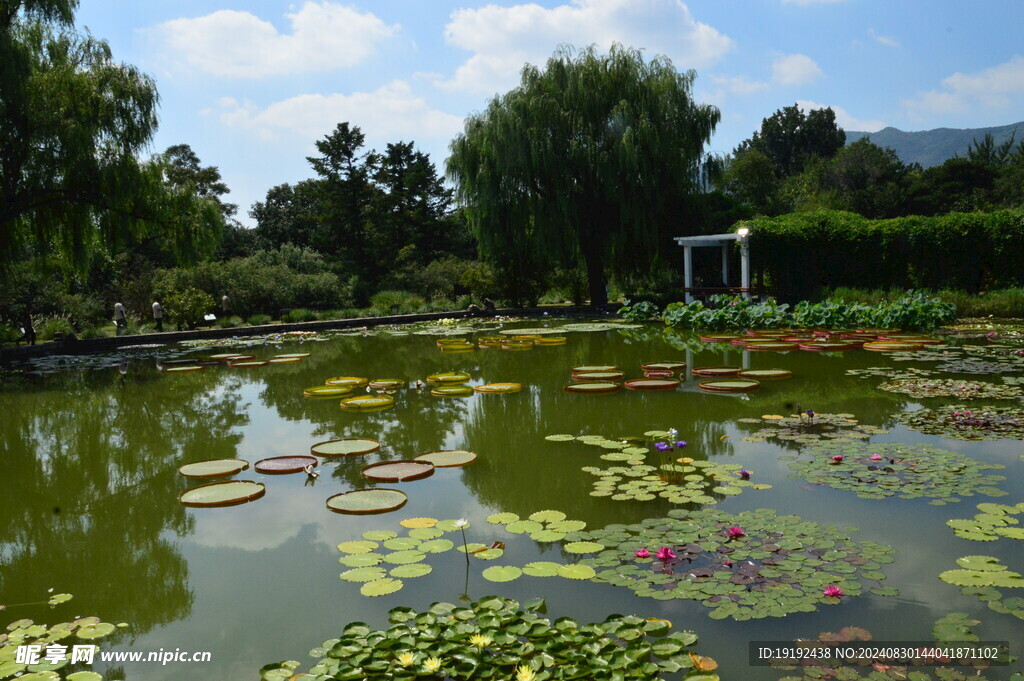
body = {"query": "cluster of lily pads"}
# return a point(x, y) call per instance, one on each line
point(955, 628)
point(948, 387)
point(25, 632)
point(679, 480)
point(495, 638)
point(809, 427)
point(891, 373)
point(984, 576)
point(967, 423)
point(877, 471)
point(749, 565)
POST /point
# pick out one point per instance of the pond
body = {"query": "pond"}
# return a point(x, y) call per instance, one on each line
point(89, 461)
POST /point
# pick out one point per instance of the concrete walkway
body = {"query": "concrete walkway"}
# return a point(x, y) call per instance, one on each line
point(15, 353)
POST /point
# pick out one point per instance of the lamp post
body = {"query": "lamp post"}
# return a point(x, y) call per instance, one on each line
point(743, 233)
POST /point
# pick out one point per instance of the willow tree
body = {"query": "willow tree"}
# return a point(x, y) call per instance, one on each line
point(72, 123)
point(581, 161)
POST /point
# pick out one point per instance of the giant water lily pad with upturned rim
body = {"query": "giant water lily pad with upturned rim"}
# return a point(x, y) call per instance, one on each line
point(597, 376)
point(283, 465)
point(327, 390)
point(448, 377)
point(397, 471)
point(352, 381)
point(213, 468)
point(451, 391)
point(765, 374)
point(593, 387)
point(225, 493)
point(769, 346)
point(386, 383)
point(368, 502)
point(827, 347)
point(730, 385)
point(448, 458)
point(186, 369)
point(497, 388)
point(247, 364)
point(349, 446)
point(367, 403)
point(653, 384)
point(586, 368)
point(665, 365)
point(715, 372)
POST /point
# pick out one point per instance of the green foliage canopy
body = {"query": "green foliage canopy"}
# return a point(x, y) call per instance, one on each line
point(580, 162)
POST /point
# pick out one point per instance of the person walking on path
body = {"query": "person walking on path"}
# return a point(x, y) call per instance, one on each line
point(225, 305)
point(28, 332)
point(158, 316)
point(120, 318)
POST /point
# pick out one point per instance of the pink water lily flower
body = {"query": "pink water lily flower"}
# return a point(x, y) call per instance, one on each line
point(838, 457)
point(665, 553)
point(876, 457)
point(833, 591)
point(643, 553)
point(736, 531)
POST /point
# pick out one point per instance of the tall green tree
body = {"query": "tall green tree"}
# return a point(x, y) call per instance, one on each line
point(790, 138)
point(72, 123)
point(578, 163)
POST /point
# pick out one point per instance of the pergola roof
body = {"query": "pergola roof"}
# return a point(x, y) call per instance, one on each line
point(706, 239)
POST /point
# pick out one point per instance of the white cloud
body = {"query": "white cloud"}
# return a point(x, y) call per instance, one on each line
point(883, 40)
point(795, 69)
point(388, 114)
point(843, 118)
point(998, 87)
point(739, 85)
point(503, 39)
point(231, 43)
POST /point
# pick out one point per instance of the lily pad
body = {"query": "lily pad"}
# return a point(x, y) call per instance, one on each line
point(367, 501)
point(593, 387)
point(363, 574)
point(576, 571)
point(653, 384)
point(418, 522)
point(597, 376)
point(327, 390)
point(350, 446)
point(367, 402)
point(349, 381)
point(491, 388)
point(448, 458)
point(411, 570)
point(213, 468)
point(501, 573)
point(285, 464)
point(451, 391)
point(583, 547)
point(765, 374)
point(967, 423)
point(735, 385)
point(448, 377)
point(397, 471)
point(948, 387)
point(502, 518)
point(716, 372)
point(381, 587)
point(226, 493)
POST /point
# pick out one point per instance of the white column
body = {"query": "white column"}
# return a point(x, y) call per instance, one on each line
point(688, 271)
point(745, 267)
point(725, 264)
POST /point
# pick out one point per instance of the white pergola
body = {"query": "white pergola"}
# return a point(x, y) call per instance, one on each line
point(724, 241)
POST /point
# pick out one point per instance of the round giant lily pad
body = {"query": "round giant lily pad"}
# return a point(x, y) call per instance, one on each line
point(367, 501)
point(227, 493)
point(279, 465)
point(349, 446)
point(351, 381)
point(451, 391)
point(828, 347)
point(185, 369)
point(213, 468)
point(226, 356)
point(586, 368)
point(292, 355)
point(597, 376)
point(719, 338)
point(891, 346)
point(715, 372)
point(765, 374)
point(517, 344)
point(367, 402)
point(593, 387)
point(551, 340)
point(285, 360)
point(327, 391)
point(770, 346)
point(499, 388)
point(448, 377)
point(247, 364)
point(386, 383)
point(397, 471)
point(666, 365)
point(652, 384)
point(734, 385)
point(448, 458)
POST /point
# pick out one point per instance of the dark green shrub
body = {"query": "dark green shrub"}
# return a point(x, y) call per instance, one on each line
point(258, 319)
point(299, 315)
point(641, 311)
point(229, 322)
point(48, 327)
point(186, 309)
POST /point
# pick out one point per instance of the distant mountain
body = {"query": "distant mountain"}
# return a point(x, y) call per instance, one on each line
point(933, 147)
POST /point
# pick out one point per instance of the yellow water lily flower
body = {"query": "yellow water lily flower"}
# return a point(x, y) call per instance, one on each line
point(525, 673)
point(480, 641)
point(432, 664)
point(406, 659)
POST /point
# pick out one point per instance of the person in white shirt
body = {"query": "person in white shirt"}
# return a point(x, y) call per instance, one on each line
point(158, 316)
point(120, 318)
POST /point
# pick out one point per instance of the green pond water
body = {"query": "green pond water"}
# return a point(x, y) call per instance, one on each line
point(89, 458)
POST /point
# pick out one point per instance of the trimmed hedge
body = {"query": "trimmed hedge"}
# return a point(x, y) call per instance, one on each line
point(801, 253)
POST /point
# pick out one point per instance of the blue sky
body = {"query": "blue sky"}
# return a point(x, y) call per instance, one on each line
point(251, 85)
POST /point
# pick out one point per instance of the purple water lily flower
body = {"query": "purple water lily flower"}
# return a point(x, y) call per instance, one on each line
point(681, 443)
point(744, 474)
point(661, 446)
